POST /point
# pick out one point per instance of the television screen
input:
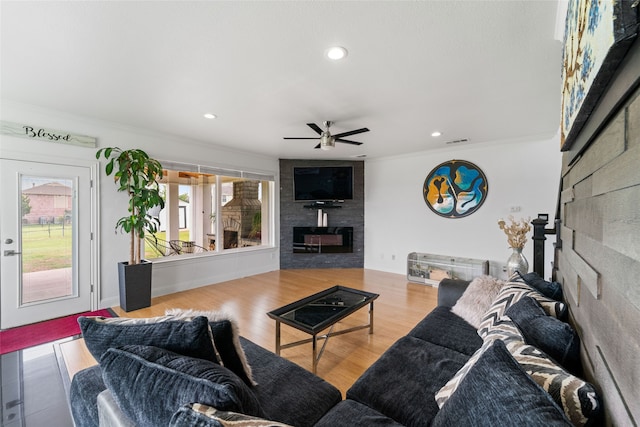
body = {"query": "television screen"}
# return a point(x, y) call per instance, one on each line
point(323, 183)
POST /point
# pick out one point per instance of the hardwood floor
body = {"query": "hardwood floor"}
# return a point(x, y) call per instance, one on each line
point(400, 306)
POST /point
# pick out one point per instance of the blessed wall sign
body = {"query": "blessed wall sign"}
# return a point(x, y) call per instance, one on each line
point(45, 134)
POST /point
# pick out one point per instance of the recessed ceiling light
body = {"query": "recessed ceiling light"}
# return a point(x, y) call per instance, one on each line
point(436, 134)
point(210, 116)
point(336, 52)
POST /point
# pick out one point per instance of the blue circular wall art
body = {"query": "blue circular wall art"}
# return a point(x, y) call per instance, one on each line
point(455, 189)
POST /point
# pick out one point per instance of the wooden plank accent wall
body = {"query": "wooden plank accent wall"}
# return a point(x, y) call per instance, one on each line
point(599, 259)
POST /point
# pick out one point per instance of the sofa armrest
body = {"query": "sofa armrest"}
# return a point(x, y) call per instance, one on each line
point(449, 290)
point(109, 413)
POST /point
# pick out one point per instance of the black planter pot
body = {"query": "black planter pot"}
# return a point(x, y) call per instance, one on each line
point(135, 285)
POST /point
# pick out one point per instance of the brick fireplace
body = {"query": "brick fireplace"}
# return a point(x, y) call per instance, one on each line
point(238, 213)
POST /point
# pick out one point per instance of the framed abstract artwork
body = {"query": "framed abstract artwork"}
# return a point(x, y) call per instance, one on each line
point(598, 33)
point(455, 189)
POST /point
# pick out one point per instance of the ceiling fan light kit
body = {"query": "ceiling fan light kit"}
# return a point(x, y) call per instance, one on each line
point(328, 141)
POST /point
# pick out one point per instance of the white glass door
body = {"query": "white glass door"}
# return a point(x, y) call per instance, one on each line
point(46, 259)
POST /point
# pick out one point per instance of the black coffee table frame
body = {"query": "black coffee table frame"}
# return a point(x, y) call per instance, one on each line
point(320, 311)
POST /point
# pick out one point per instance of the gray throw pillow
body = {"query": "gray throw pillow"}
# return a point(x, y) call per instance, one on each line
point(497, 392)
point(476, 299)
point(555, 337)
point(150, 384)
point(191, 338)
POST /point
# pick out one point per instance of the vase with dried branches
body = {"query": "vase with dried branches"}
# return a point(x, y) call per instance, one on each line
point(516, 232)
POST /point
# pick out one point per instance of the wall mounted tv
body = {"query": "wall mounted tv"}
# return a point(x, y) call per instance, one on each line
point(327, 183)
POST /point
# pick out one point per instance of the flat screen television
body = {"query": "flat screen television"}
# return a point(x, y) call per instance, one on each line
point(325, 183)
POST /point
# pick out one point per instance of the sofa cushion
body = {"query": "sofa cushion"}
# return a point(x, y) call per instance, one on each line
point(198, 415)
point(513, 292)
point(85, 387)
point(287, 392)
point(578, 398)
point(554, 337)
point(187, 338)
point(497, 392)
point(402, 383)
point(477, 298)
point(150, 384)
point(459, 336)
point(226, 337)
point(349, 413)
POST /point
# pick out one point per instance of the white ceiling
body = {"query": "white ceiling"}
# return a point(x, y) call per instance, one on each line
point(483, 70)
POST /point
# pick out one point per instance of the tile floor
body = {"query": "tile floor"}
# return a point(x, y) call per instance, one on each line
point(33, 392)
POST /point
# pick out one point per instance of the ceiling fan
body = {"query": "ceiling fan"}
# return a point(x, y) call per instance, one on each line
point(328, 141)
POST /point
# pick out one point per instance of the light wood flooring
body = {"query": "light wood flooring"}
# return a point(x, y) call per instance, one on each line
point(399, 308)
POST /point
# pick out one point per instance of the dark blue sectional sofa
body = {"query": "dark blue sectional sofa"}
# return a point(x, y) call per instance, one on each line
point(399, 389)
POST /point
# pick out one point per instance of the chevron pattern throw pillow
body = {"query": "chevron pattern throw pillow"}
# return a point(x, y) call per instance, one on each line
point(511, 293)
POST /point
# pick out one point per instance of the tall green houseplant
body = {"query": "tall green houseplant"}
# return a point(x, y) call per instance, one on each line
point(136, 174)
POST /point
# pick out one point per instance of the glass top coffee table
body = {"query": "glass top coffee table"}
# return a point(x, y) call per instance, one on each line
point(320, 311)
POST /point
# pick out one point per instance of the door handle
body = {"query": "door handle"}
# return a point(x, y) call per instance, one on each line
point(11, 253)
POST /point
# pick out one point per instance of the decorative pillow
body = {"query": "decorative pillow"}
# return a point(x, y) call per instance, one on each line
point(554, 337)
point(226, 337)
point(196, 414)
point(477, 298)
point(511, 293)
point(551, 290)
point(187, 338)
point(497, 392)
point(504, 330)
point(578, 398)
point(150, 384)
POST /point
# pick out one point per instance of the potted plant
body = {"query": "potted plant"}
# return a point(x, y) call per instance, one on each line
point(136, 174)
point(256, 226)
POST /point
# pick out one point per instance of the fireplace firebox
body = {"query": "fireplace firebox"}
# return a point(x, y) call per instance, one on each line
point(317, 240)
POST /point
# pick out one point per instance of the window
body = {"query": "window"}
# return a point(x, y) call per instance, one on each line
point(211, 210)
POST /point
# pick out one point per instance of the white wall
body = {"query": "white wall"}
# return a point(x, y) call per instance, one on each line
point(398, 221)
point(168, 275)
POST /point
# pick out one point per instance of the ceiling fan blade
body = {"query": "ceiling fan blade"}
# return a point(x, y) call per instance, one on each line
point(352, 132)
point(315, 127)
point(293, 137)
point(348, 142)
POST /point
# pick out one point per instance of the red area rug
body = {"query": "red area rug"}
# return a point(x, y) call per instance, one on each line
point(39, 333)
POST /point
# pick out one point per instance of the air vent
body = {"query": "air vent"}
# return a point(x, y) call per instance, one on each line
point(457, 141)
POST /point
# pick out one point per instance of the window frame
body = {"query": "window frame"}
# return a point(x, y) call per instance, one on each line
point(267, 182)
